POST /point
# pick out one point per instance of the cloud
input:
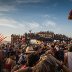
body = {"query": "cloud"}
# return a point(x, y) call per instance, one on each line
point(55, 4)
point(49, 16)
point(25, 26)
point(1, 14)
point(6, 8)
point(28, 1)
point(50, 23)
point(11, 5)
point(33, 25)
point(7, 5)
point(46, 16)
point(8, 23)
point(70, 0)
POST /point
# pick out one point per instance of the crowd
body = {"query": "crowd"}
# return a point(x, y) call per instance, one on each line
point(45, 57)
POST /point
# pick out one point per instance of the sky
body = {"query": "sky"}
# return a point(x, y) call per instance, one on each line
point(20, 16)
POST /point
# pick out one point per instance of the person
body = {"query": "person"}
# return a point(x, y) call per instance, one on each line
point(22, 57)
point(50, 64)
point(32, 59)
point(30, 49)
point(9, 62)
point(1, 61)
point(45, 65)
point(59, 54)
point(68, 58)
point(21, 64)
point(19, 68)
point(27, 67)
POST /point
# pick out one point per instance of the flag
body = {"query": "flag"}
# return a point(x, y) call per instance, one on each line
point(1, 38)
point(70, 15)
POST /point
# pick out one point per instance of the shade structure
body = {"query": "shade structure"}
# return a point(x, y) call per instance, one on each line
point(70, 15)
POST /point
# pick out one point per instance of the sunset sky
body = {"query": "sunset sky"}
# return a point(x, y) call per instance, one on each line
point(20, 16)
